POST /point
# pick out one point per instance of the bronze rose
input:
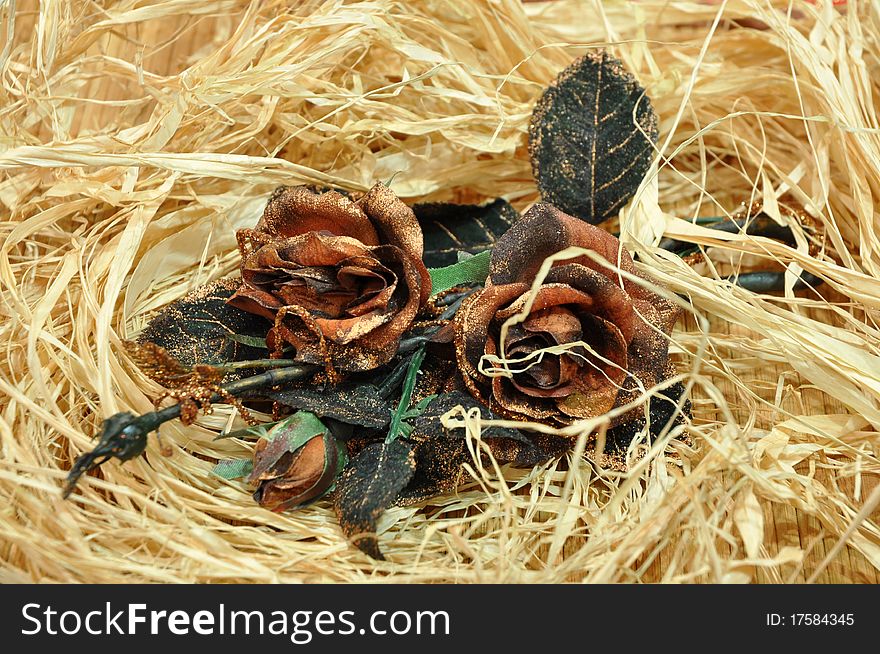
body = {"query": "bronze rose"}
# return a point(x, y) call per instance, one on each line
point(579, 301)
point(342, 278)
point(288, 479)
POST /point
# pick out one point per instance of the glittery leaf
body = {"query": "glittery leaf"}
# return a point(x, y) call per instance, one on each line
point(199, 328)
point(588, 153)
point(355, 405)
point(233, 468)
point(662, 409)
point(450, 229)
point(369, 485)
point(440, 452)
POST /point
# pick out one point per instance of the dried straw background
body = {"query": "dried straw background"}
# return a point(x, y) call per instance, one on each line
point(138, 134)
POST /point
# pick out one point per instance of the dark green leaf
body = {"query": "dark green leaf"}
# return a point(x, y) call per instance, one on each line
point(197, 329)
point(252, 341)
point(356, 405)
point(367, 487)
point(438, 471)
point(473, 270)
point(588, 154)
point(440, 452)
point(429, 428)
point(662, 410)
point(450, 229)
point(233, 468)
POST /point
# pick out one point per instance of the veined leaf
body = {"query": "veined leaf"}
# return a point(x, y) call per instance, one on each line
point(199, 328)
point(440, 452)
point(453, 229)
point(590, 138)
point(252, 341)
point(355, 405)
point(367, 487)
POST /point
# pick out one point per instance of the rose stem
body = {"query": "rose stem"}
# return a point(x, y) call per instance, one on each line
point(257, 363)
point(764, 281)
point(124, 436)
point(759, 281)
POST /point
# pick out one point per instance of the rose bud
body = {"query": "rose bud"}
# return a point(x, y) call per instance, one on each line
point(289, 478)
point(579, 301)
point(342, 278)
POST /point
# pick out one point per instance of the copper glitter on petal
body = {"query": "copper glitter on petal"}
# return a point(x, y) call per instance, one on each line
point(543, 231)
point(609, 300)
point(343, 302)
point(297, 210)
point(624, 324)
point(394, 218)
point(472, 326)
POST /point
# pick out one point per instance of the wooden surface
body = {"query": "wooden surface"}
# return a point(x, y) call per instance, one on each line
point(784, 525)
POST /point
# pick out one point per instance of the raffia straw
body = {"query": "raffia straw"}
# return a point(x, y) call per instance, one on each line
point(135, 138)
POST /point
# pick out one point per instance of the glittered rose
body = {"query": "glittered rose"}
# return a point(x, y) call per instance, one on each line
point(290, 477)
point(589, 338)
point(341, 278)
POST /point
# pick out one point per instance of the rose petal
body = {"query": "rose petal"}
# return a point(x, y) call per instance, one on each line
point(407, 294)
point(648, 352)
point(369, 340)
point(394, 219)
point(272, 273)
point(510, 401)
point(598, 383)
point(399, 227)
point(255, 301)
point(315, 249)
point(544, 230)
point(548, 295)
point(557, 322)
point(546, 373)
point(378, 284)
point(296, 210)
point(609, 300)
point(561, 368)
point(472, 330)
point(346, 330)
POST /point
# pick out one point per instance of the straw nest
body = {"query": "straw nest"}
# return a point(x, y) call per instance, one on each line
point(137, 136)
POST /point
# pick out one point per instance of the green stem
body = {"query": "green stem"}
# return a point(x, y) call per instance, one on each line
point(406, 395)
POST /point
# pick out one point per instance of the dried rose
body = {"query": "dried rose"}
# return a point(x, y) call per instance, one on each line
point(290, 477)
point(342, 278)
point(579, 301)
